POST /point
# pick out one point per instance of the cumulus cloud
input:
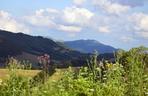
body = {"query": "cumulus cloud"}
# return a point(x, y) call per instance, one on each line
point(132, 3)
point(78, 16)
point(111, 7)
point(126, 39)
point(143, 34)
point(118, 17)
point(104, 29)
point(116, 8)
point(140, 23)
point(71, 29)
point(70, 19)
point(7, 22)
point(43, 18)
point(79, 2)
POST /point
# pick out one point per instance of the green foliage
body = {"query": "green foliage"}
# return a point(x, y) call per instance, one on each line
point(128, 76)
point(135, 63)
point(16, 85)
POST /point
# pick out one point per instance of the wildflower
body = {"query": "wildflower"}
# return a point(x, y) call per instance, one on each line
point(103, 84)
point(5, 84)
point(114, 69)
point(104, 71)
point(98, 69)
point(109, 65)
point(45, 92)
point(85, 69)
point(36, 89)
point(92, 90)
point(104, 78)
point(44, 59)
point(146, 93)
point(1, 81)
point(104, 75)
point(121, 66)
point(53, 81)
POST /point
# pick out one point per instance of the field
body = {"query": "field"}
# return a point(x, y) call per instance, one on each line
point(128, 76)
point(4, 73)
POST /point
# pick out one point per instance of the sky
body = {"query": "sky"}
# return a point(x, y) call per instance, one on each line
point(119, 23)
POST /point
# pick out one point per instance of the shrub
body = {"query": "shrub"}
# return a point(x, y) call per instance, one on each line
point(128, 76)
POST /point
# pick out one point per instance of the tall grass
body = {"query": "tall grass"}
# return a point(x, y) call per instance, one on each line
point(128, 76)
point(16, 85)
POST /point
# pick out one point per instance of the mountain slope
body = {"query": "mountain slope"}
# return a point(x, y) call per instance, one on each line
point(88, 46)
point(27, 47)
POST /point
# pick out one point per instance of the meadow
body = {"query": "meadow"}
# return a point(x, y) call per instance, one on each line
point(127, 76)
point(4, 73)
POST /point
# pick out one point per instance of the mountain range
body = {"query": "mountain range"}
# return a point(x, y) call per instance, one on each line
point(89, 46)
point(27, 47)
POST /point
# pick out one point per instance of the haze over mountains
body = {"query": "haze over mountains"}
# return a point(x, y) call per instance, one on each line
point(26, 47)
point(88, 46)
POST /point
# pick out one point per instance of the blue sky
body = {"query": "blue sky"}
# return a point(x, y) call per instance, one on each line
point(120, 23)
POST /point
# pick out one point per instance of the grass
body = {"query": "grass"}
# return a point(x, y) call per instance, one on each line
point(4, 73)
point(57, 75)
point(126, 77)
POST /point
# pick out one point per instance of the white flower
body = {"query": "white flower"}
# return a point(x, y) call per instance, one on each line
point(104, 78)
point(92, 90)
point(44, 91)
point(1, 81)
point(98, 69)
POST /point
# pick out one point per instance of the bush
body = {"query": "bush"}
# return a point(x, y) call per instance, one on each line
point(128, 76)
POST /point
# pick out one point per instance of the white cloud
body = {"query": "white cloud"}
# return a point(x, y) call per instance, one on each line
point(140, 23)
point(111, 7)
point(71, 29)
point(79, 2)
point(80, 16)
point(7, 22)
point(132, 3)
point(40, 21)
point(143, 34)
point(126, 39)
point(43, 18)
point(74, 18)
point(143, 22)
point(116, 8)
point(53, 11)
point(104, 29)
point(72, 35)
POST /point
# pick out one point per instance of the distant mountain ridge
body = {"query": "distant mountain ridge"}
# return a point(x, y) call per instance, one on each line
point(26, 47)
point(88, 46)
